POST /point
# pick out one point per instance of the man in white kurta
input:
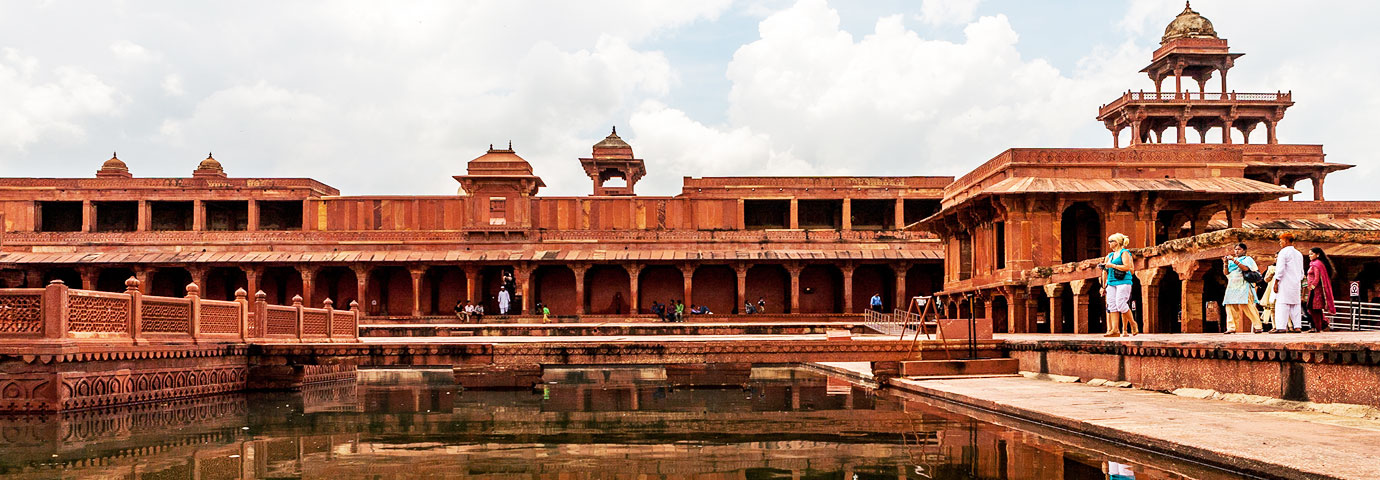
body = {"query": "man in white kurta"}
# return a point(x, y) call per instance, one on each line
point(1288, 278)
point(504, 299)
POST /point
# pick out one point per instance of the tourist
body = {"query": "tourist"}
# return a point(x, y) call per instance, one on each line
point(1288, 314)
point(1320, 300)
point(478, 314)
point(1240, 296)
point(748, 308)
point(545, 313)
point(508, 281)
point(1117, 287)
point(680, 311)
point(460, 310)
point(504, 300)
point(877, 302)
point(761, 304)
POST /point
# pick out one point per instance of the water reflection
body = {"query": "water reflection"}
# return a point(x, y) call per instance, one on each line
point(759, 423)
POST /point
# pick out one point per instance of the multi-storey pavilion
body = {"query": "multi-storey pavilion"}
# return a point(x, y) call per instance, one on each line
point(805, 245)
point(1024, 231)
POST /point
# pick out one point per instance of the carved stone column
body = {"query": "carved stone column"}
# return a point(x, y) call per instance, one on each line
point(1149, 299)
point(847, 269)
point(901, 302)
point(362, 286)
point(308, 274)
point(794, 270)
point(741, 269)
point(251, 277)
point(687, 273)
point(634, 273)
point(580, 299)
point(522, 274)
point(1082, 323)
point(416, 273)
point(1055, 292)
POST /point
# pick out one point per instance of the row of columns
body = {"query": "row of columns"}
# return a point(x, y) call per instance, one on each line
point(1227, 123)
point(899, 220)
point(522, 274)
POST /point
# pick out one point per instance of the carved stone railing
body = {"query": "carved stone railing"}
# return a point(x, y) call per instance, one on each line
point(296, 323)
point(1209, 98)
point(57, 313)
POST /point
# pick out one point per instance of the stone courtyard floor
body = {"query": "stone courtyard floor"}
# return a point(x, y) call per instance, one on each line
point(1274, 441)
point(1263, 339)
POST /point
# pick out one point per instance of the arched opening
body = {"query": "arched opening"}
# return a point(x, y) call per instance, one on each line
point(221, 283)
point(113, 279)
point(442, 287)
point(1171, 225)
point(770, 284)
point(869, 280)
point(607, 290)
point(661, 283)
point(1214, 289)
point(1170, 307)
point(336, 283)
point(1066, 309)
point(491, 278)
point(922, 280)
point(1041, 320)
point(390, 292)
point(1097, 309)
point(715, 286)
point(170, 282)
point(69, 277)
point(999, 314)
point(554, 287)
point(821, 289)
point(1369, 277)
point(280, 284)
point(1080, 233)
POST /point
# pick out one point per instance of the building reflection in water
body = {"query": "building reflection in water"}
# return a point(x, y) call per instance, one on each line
point(755, 423)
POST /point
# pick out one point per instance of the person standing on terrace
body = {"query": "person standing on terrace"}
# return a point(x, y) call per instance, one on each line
point(1240, 296)
point(1320, 303)
point(1117, 287)
point(1288, 315)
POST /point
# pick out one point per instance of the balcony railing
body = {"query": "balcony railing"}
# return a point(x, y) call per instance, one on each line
point(1197, 97)
point(59, 313)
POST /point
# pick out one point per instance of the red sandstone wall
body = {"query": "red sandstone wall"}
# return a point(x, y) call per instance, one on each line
point(611, 283)
point(660, 283)
point(771, 282)
point(717, 287)
point(555, 287)
point(871, 279)
point(825, 297)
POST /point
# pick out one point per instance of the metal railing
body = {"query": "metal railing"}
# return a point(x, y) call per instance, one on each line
point(1358, 316)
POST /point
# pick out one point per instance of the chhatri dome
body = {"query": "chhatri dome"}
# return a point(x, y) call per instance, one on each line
point(1189, 24)
point(114, 168)
point(210, 167)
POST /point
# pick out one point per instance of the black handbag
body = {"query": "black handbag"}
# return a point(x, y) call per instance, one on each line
point(1253, 276)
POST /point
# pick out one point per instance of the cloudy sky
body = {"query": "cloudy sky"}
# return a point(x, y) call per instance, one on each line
point(394, 97)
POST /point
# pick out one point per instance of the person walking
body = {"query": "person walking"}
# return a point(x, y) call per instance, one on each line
point(877, 302)
point(761, 304)
point(1320, 300)
point(1117, 286)
point(504, 300)
point(545, 313)
point(1240, 296)
point(1288, 316)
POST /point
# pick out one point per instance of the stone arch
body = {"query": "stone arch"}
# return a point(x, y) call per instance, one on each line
point(922, 280)
point(715, 286)
point(390, 291)
point(607, 290)
point(221, 283)
point(1000, 314)
point(873, 279)
point(1080, 229)
point(821, 289)
point(660, 283)
point(336, 283)
point(441, 287)
point(770, 282)
point(169, 282)
point(69, 277)
point(554, 287)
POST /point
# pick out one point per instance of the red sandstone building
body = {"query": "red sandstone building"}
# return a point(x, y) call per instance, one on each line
point(1009, 234)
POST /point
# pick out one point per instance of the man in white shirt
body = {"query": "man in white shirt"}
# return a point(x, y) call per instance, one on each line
point(504, 299)
point(1288, 278)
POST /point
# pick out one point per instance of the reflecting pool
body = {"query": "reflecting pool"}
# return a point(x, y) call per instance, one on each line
point(623, 423)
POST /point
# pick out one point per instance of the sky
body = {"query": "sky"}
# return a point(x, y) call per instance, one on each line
point(383, 98)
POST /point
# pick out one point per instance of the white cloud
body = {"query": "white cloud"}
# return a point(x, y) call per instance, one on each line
point(132, 52)
point(172, 85)
point(948, 12)
point(43, 103)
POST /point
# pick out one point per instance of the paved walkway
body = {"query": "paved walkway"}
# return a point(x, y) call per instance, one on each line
point(611, 339)
point(1256, 438)
point(1249, 338)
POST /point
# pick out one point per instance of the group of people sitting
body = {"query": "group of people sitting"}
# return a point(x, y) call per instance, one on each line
point(467, 311)
point(1280, 296)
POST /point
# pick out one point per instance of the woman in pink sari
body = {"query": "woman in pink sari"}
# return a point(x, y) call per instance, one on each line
point(1320, 299)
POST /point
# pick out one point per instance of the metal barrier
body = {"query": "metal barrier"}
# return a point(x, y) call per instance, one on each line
point(1358, 316)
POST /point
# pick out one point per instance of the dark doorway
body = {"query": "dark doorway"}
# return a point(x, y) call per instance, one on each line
point(1081, 233)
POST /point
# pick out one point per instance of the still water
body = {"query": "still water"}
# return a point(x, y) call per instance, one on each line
point(623, 423)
